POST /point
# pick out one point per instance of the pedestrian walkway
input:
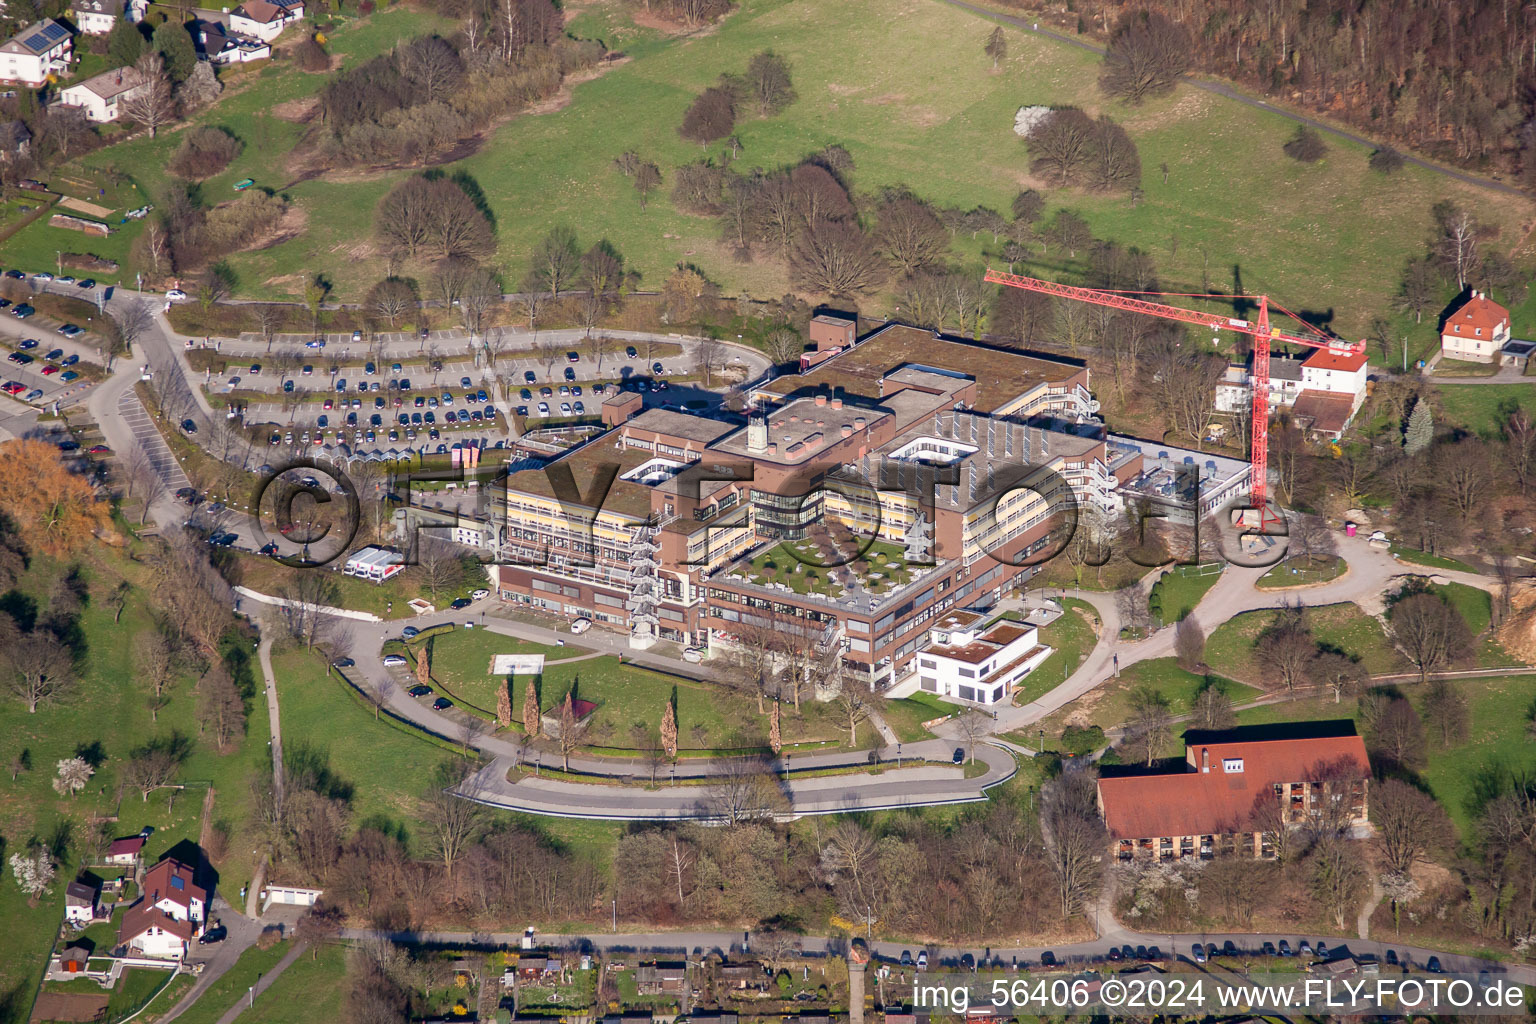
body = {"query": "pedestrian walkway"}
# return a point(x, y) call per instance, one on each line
point(248, 999)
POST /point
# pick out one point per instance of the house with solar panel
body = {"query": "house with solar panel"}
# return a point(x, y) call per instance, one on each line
point(36, 52)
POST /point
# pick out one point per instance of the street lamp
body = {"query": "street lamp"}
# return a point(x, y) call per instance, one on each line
point(898, 753)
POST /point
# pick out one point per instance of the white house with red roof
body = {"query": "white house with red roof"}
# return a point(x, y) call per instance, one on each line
point(168, 916)
point(1226, 794)
point(125, 851)
point(968, 660)
point(1476, 332)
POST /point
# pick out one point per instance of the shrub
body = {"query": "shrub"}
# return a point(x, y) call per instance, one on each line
point(1078, 739)
point(203, 153)
point(1386, 160)
point(243, 222)
point(1306, 145)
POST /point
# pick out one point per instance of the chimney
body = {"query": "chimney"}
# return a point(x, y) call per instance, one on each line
point(847, 429)
point(1205, 759)
point(821, 398)
point(837, 402)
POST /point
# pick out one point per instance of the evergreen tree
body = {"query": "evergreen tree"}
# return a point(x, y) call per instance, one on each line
point(532, 724)
point(175, 47)
point(1421, 429)
point(669, 731)
point(125, 43)
point(504, 703)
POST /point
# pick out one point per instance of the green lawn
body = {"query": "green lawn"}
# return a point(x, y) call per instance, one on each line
point(1303, 571)
point(907, 715)
point(906, 88)
point(709, 717)
point(108, 714)
point(1476, 607)
point(233, 985)
point(461, 660)
point(385, 765)
point(1229, 648)
point(1109, 705)
point(246, 110)
point(1433, 561)
point(1181, 592)
point(311, 991)
point(1479, 407)
point(1073, 638)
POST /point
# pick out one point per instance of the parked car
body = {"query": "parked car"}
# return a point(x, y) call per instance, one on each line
point(394, 661)
point(410, 631)
point(87, 283)
point(462, 602)
point(419, 690)
point(218, 933)
point(189, 425)
point(630, 352)
point(922, 959)
point(56, 353)
point(476, 595)
point(49, 371)
point(1198, 951)
point(68, 376)
point(442, 704)
point(70, 360)
point(27, 344)
point(343, 663)
point(175, 295)
point(959, 755)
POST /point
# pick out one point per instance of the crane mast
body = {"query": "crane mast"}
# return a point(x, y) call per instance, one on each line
point(1260, 329)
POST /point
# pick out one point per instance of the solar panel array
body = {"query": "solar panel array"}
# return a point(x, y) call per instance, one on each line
point(46, 37)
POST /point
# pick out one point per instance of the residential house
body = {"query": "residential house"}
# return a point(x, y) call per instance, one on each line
point(104, 97)
point(219, 47)
point(149, 931)
point(36, 52)
point(80, 903)
point(1338, 371)
point(1476, 332)
point(96, 17)
point(1224, 798)
point(664, 977)
point(125, 852)
point(168, 916)
point(169, 886)
point(965, 659)
point(1234, 391)
point(263, 20)
point(15, 141)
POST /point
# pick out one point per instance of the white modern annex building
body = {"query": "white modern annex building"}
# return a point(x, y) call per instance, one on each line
point(970, 661)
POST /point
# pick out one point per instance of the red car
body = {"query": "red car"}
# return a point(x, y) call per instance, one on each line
point(100, 449)
point(13, 387)
point(49, 371)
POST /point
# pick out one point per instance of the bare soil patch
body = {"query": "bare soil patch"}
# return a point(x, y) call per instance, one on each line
point(299, 111)
point(71, 1006)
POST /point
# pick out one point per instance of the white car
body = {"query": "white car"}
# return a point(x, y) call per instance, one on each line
point(44, 276)
point(479, 595)
point(581, 625)
point(395, 661)
point(175, 295)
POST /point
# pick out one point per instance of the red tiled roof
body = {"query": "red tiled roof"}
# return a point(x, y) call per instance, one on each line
point(1329, 359)
point(144, 915)
point(1195, 803)
point(1477, 313)
point(172, 880)
point(122, 847)
point(1326, 411)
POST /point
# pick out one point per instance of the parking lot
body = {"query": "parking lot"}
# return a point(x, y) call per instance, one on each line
point(68, 357)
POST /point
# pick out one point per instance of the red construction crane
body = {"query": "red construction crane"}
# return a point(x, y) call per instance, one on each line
point(1260, 330)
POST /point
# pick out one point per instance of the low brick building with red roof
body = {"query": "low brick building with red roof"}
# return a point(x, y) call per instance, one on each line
point(1235, 789)
point(1477, 331)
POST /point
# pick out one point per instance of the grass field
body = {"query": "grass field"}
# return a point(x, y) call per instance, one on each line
point(1479, 407)
point(232, 986)
point(108, 715)
point(905, 89)
point(1229, 648)
point(1303, 571)
point(1432, 560)
point(310, 991)
point(1181, 592)
point(385, 767)
point(709, 717)
point(1109, 704)
point(907, 715)
point(1072, 637)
